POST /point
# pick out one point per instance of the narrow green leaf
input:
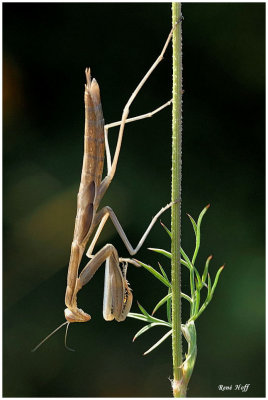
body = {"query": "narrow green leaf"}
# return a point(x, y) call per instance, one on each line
point(216, 280)
point(209, 285)
point(196, 314)
point(167, 254)
point(196, 301)
point(185, 263)
point(186, 297)
point(161, 302)
point(186, 258)
point(141, 331)
point(191, 267)
point(209, 295)
point(145, 329)
point(163, 252)
point(168, 297)
point(160, 321)
point(166, 229)
point(193, 223)
point(204, 276)
point(141, 317)
point(143, 310)
point(201, 215)
point(192, 282)
point(163, 338)
point(155, 273)
point(149, 319)
point(163, 273)
point(199, 282)
point(197, 242)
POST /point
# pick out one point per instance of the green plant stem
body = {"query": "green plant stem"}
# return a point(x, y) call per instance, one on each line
point(178, 389)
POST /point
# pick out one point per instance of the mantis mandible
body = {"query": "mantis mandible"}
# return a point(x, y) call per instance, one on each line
point(117, 294)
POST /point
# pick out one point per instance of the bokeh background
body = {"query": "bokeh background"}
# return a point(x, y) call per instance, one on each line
point(46, 48)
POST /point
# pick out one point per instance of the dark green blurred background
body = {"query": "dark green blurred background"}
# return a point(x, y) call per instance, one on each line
point(46, 48)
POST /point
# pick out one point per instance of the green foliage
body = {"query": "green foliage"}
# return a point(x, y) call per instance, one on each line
point(197, 307)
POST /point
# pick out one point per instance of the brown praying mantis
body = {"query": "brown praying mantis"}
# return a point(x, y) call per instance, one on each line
point(117, 294)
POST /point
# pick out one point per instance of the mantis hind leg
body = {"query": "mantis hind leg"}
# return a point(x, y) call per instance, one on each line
point(106, 212)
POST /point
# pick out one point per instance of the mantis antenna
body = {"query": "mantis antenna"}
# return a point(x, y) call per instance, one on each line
point(51, 334)
point(65, 339)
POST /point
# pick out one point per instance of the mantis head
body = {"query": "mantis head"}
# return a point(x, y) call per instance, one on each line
point(76, 315)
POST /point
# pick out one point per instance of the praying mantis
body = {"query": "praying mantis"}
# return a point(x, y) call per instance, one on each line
point(117, 294)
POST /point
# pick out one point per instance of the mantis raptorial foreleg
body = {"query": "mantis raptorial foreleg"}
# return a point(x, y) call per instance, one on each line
point(117, 295)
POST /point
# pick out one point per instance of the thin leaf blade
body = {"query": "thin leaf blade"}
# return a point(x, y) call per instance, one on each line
point(161, 251)
point(161, 302)
point(193, 223)
point(145, 329)
point(155, 273)
point(166, 229)
point(205, 273)
point(163, 338)
point(163, 272)
point(216, 279)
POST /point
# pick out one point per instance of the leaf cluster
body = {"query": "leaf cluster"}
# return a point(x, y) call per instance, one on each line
point(197, 283)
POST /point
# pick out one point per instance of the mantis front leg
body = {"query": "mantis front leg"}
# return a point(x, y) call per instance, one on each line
point(117, 299)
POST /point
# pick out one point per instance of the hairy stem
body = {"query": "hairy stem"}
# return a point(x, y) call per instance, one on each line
point(178, 389)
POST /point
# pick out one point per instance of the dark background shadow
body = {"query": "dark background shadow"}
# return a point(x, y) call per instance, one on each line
point(46, 48)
